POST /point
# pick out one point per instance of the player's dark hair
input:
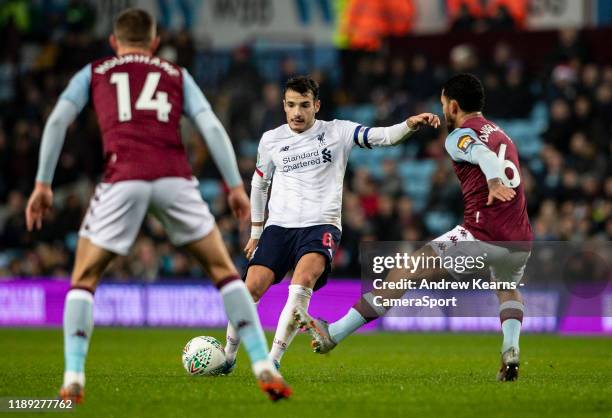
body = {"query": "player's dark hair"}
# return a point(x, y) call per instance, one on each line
point(134, 27)
point(467, 90)
point(303, 85)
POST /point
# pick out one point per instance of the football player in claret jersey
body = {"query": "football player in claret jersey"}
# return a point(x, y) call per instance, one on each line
point(139, 100)
point(304, 160)
point(486, 162)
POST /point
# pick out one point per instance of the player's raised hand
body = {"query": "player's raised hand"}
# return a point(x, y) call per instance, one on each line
point(40, 202)
point(500, 192)
point(249, 249)
point(239, 203)
point(424, 119)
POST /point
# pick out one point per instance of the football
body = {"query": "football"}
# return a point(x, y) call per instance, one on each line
point(203, 356)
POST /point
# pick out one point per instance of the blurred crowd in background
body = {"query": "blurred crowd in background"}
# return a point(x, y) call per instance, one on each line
point(559, 117)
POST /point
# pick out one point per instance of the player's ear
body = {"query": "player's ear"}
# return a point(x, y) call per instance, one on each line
point(112, 40)
point(317, 105)
point(155, 44)
point(454, 107)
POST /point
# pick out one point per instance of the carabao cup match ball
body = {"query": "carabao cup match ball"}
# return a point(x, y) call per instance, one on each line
point(203, 356)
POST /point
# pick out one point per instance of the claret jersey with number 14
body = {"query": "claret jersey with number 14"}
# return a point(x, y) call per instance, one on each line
point(139, 100)
point(139, 103)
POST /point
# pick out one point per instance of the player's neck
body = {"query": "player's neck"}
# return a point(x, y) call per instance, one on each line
point(467, 116)
point(127, 50)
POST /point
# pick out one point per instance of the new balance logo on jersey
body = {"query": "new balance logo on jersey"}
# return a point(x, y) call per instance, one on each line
point(327, 157)
point(283, 149)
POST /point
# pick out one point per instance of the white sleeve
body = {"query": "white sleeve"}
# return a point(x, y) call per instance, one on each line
point(365, 137)
point(264, 170)
point(259, 198)
point(264, 166)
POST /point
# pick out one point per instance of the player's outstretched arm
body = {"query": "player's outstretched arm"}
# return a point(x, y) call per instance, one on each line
point(72, 100)
point(389, 136)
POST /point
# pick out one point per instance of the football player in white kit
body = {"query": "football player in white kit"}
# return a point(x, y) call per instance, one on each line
point(304, 160)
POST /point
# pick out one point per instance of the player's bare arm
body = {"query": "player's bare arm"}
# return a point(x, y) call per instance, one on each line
point(239, 203)
point(423, 119)
point(249, 249)
point(40, 202)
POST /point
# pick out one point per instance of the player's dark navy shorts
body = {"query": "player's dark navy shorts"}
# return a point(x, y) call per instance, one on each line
point(280, 248)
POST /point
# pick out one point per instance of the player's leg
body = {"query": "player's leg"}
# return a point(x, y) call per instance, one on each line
point(510, 268)
point(327, 336)
point(258, 280)
point(307, 271)
point(241, 312)
point(511, 316)
point(110, 227)
point(178, 204)
point(268, 265)
point(91, 261)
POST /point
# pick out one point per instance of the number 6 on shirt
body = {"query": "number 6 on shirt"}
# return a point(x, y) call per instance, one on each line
point(516, 178)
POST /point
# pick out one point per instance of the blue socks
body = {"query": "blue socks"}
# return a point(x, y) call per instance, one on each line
point(511, 317)
point(243, 316)
point(346, 325)
point(78, 327)
point(512, 330)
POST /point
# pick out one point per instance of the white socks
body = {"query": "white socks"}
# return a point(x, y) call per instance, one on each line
point(286, 329)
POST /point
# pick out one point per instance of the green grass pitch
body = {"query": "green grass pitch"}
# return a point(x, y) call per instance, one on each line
point(138, 373)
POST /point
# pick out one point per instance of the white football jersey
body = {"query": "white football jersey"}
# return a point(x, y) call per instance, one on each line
point(307, 171)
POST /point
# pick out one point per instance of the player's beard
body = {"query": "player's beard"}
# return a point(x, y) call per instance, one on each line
point(450, 123)
point(303, 125)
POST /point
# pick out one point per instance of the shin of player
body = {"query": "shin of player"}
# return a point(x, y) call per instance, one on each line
point(511, 317)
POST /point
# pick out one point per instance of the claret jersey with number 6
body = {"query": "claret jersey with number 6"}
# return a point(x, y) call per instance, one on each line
point(501, 221)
